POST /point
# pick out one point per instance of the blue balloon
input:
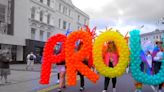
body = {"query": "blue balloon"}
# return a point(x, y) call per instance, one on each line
point(137, 74)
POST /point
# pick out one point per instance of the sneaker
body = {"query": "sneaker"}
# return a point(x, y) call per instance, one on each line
point(64, 86)
point(7, 82)
point(57, 82)
point(59, 90)
point(104, 91)
point(159, 90)
point(82, 88)
point(114, 89)
point(138, 90)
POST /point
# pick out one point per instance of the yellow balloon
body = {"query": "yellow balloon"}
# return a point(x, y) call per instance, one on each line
point(123, 49)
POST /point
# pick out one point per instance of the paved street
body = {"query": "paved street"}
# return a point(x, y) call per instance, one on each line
point(124, 84)
point(25, 81)
point(28, 81)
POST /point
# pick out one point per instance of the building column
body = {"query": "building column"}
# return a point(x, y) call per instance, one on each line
point(19, 56)
point(37, 34)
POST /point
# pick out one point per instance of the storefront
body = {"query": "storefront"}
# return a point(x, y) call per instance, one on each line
point(15, 51)
point(34, 46)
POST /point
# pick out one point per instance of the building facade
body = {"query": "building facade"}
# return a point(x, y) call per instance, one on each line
point(27, 24)
point(152, 36)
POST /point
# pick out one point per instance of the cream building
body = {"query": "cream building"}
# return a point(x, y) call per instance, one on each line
point(152, 36)
point(29, 23)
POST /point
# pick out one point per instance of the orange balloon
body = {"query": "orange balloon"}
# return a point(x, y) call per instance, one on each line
point(74, 59)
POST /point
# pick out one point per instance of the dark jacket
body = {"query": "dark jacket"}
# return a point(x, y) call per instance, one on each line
point(4, 62)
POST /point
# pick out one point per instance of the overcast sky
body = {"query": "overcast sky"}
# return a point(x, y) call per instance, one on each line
point(123, 14)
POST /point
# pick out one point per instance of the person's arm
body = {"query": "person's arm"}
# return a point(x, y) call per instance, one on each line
point(158, 57)
point(115, 59)
point(27, 58)
point(34, 57)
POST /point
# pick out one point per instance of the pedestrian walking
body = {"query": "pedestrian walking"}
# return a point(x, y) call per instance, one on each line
point(30, 61)
point(5, 59)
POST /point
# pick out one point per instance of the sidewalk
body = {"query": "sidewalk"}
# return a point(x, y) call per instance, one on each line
point(26, 81)
point(22, 67)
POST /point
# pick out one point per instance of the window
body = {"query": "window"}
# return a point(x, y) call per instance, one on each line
point(48, 2)
point(59, 23)
point(64, 25)
point(48, 18)
point(69, 25)
point(78, 18)
point(85, 21)
point(66, 11)
point(33, 33)
point(64, 8)
point(156, 37)
point(41, 35)
point(33, 12)
point(48, 34)
point(69, 12)
point(41, 1)
point(41, 15)
point(78, 27)
point(2, 13)
point(60, 7)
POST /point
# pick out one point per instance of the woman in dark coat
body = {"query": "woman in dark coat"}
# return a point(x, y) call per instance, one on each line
point(4, 65)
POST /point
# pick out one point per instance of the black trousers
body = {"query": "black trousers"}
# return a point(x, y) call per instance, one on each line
point(58, 76)
point(160, 86)
point(81, 79)
point(157, 67)
point(106, 82)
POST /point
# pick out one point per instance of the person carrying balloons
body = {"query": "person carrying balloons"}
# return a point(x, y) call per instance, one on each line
point(146, 67)
point(61, 68)
point(85, 61)
point(157, 59)
point(111, 60)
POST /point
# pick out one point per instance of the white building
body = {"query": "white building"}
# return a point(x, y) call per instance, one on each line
point(152, 36)
point(29, 23)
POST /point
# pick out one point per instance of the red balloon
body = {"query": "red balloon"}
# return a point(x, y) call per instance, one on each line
point(49, 56)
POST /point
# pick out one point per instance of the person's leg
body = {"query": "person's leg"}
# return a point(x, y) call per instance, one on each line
point(32, 64)
point(28, 64)
point(138, 87)
point(64, 81)
point(106, 83)
point(58, 77)
point(81, 82)
point(5, 77)
point(61, 81)
point(1, 78)
point(114, 80)
point(160, 87)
